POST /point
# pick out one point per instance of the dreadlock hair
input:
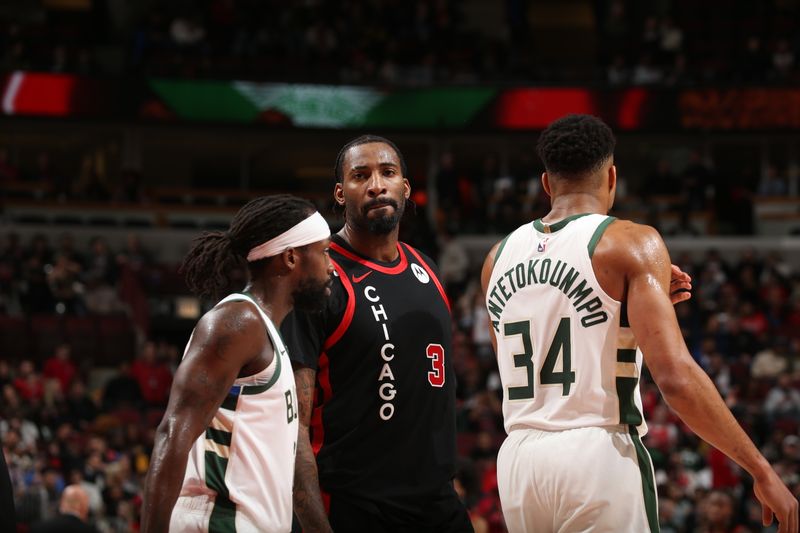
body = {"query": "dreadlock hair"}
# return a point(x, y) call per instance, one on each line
point(575, 146)
point(215, 254)
point(338, 170)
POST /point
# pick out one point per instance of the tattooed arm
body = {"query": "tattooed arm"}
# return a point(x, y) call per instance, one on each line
point(308, 504)
point(228, 340)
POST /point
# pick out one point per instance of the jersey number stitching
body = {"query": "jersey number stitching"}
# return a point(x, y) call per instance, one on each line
point(547, 376)
point(435, 352)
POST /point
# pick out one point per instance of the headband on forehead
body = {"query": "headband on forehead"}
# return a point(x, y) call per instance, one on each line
point(312, 229)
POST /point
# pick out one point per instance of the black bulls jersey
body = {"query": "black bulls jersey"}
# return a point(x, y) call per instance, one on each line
point(383, 425)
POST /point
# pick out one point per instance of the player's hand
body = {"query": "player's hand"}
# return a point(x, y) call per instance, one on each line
point(776, 500)
point(680, 285)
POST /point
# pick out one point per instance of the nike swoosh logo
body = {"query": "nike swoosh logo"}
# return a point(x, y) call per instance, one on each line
point(357, 279)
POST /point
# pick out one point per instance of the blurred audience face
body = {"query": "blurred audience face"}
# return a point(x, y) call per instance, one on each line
point(718, 510)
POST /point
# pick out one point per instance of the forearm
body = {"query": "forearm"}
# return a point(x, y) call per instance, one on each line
point(163, 484)
point(308, 505)
point(698, 403)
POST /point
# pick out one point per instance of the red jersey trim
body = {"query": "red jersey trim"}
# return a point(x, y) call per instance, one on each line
point(400, 267)
point(433, 277)
point(326, 501)
point(324, 390)
point(348, 311)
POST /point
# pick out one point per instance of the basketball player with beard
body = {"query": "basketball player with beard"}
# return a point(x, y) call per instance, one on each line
point(374, 374)
point(224, 453)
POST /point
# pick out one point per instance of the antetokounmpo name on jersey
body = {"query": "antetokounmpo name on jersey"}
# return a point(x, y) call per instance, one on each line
point(540, 272)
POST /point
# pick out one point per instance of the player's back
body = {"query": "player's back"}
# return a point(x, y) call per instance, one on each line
point(566, 355)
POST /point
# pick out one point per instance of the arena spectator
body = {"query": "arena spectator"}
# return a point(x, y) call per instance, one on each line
point(152, 375)
point(60, 367)
point(73, 512)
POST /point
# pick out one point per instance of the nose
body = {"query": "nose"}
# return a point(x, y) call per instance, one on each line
point(376, 185)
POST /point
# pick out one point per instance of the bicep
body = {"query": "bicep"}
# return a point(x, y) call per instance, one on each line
point(198, 390)
point(213, 360)
point(486, 275)
point(651, 313)
point(486, 270)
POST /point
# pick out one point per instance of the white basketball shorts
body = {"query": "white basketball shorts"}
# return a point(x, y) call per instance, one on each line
point(579, 480)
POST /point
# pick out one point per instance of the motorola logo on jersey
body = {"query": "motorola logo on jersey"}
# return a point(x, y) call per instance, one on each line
point(420, 273)
point(386, 390)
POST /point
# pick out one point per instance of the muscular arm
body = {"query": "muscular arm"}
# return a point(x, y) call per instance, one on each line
point(685, 386)
point(308, 504)
point(224, 341)
point(486, 274)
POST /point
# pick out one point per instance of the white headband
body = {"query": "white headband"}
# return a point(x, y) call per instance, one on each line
point(312, 229)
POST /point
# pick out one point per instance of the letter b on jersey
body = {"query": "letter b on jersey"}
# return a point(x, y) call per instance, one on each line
point(291, 412)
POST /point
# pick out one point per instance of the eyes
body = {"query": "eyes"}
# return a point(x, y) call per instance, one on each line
point(387, 172)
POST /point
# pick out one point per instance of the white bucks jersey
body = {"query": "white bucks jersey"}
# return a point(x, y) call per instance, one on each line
point(566, 354)
point(244, 461)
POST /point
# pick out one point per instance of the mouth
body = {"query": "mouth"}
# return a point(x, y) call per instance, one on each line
point(378, 204)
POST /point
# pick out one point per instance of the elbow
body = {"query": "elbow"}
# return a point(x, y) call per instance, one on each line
point(173, 434)
point(166, 428)
point(675, 384)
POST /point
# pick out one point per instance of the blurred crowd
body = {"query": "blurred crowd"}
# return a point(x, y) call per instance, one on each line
point(37, 278)
point(485, 198)
point(667, 43)
point(473, 194)
point(88, 179)
point(69, 419)
point(66, 423)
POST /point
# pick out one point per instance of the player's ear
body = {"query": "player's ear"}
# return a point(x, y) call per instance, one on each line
point(406, 189)
point(546, 184)
point(338, 193)
point(289, 258)
point(612, 186)
point(612, 177)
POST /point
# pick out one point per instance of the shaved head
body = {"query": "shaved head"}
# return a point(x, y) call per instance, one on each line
point(75, 501)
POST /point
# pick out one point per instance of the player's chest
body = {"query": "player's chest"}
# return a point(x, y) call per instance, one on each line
point(407, 302)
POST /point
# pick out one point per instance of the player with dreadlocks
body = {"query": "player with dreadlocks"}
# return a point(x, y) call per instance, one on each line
point(223, 458)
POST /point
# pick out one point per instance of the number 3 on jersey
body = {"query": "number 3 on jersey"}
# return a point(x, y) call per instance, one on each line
point(435, 353)
point(547, 376)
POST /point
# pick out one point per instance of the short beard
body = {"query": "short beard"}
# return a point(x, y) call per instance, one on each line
point(310, 295)
point(381, 225)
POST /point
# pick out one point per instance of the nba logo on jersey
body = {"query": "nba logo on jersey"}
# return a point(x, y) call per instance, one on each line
point(420, 273)
point(542, 245)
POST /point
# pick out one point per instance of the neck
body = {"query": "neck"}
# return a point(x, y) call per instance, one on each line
point(271, 296)
point(574, 203)
point(378, 247)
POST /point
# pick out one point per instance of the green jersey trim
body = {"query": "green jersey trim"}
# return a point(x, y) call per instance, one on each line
point(258, 389)
point(552, 228)
point(601, 228)
point(500, 249)
point(648, 481)
point(223, 514)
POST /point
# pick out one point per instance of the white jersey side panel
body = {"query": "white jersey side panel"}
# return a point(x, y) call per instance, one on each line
point(566, 355)
point(245, 459)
